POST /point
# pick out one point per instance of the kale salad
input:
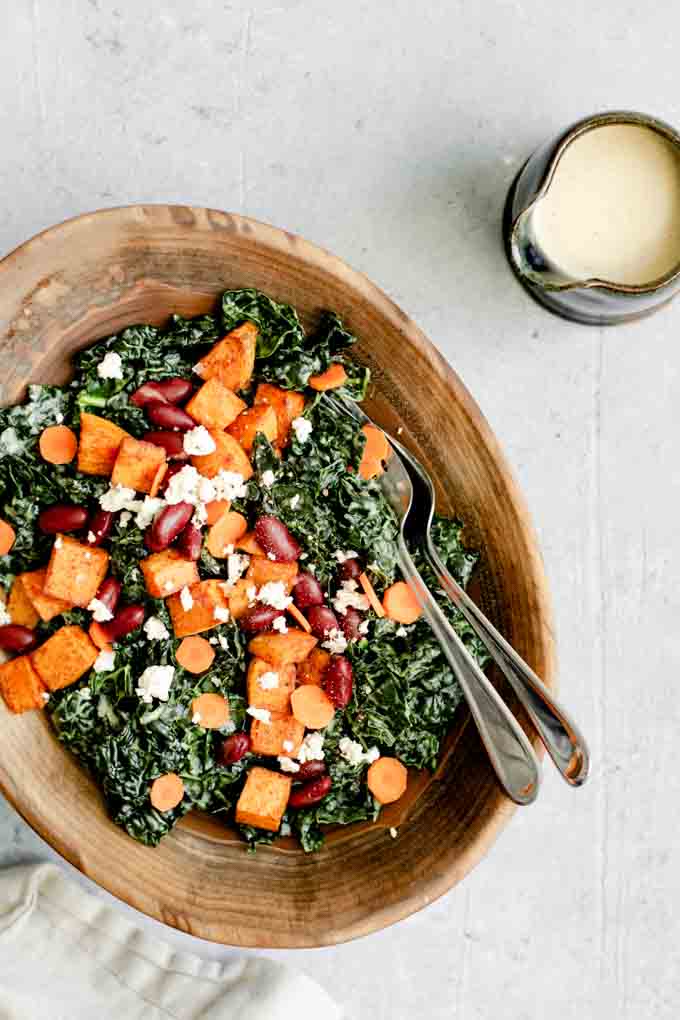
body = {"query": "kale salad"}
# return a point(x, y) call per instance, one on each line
point(201, 585)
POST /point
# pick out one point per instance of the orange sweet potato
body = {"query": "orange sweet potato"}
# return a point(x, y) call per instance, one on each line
point(225, 532)
point(20, 608)
point(275, 737)
point(20, 686)
point(263, 799)
point(214, 405)
point(99, 444)
point(288, 405)
point(167, 572)
point(206, 596)
point(249, 544)
point(256, 419)
point(262, 570)
point(137, 464)
point(33, 583)
point(228, 456)
point(312, 669)
point(75, 571)
point(64, 657)
point(232, 359)
point(281, 649)
point(276, 699)
point(238, 598)
point(334, 376)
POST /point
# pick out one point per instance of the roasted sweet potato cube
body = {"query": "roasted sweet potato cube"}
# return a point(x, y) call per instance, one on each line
point(280, 649)
point(250, 545)
point(228, 456)
point(137, 464)
point(75, 571)
point(20, 685)
point(99, 444)
point(20, 608)
point(167, 572)
point(33, 582)
point(282, 735)
point(276, 699)
point(64, 657)
point(214, 405)
point(232, 359)
point(288, 405)
point(263, 799)
point(206, 597)
point(250, 422)
point(262, 570)
point(312, 669)
point(238, 597)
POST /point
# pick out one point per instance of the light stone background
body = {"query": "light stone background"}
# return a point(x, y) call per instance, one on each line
point(389, 133)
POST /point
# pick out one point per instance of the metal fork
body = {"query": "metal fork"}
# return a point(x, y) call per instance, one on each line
point(509, 750)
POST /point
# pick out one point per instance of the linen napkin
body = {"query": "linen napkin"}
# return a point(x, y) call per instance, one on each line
point(64, 955)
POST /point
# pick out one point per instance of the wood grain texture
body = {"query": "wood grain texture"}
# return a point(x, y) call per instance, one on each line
point(93, 275)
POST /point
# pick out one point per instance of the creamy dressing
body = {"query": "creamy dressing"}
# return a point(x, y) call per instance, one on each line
point(612, 210)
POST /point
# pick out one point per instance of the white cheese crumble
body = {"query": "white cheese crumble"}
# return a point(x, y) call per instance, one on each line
point(224, 644)
point(353, 752)
point(302, 428)
point(288, 745)
point(229, 485)
point(261, 714)
point(45, 695)
point(287, 764)
point(199, 442)
point(125, 518)
point(268, 681)
point(221, 613)
point(401, 631)
point(100, 611)
point(294, 503)
point(268, 479)
point(251, 592)
point(363, 627)
point(5, 618)
point(237, 564)
point(104, 662)
point(342, 556)
point(58, 542)
point(196, 718)
point(147, 510)
point(311, 748)
point(212, 640)
point(116, 498)
point(188, 486)
point(285, 829)
point(273, 594)
point(10, 442)
point(280, 625)
point(155, 629)
point(186, 599)
point(111, 366)
point(91, 537)
point(59, 418)
point(271, 556)
point(85, 693)
point(347, 596)
point(155, 682)
point(335, 642)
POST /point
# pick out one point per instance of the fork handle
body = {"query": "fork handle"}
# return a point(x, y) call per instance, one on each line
point(509, 750)
point(559, 733)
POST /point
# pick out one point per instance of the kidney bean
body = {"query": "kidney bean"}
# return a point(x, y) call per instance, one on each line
point(173, 391)
point(62, 517)
point(15, 638)
point(233, 748)
point(275, 538)
point(322, 620)
point(349, 624)
point(109, 593)
point(126, 620)
point(310, 793)
point(307, 592)
point(309, 770)
point(171, 442)
point(169, 523)
point(167, 416)
point(100, 525)
point(146, 393)
point(350, 570)
point(338, 681)
point(259, 618)
point(190, 542)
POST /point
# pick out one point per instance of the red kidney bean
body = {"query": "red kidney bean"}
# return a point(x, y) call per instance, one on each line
point(322, 620)
point(146, 393)
point(109, 593)
point(100, 525)
point(309, 770)
point(233, 748)
point(275, 538)
point(350, 570)
point(307, 592)
point(190, 542)
point(173, 391)
point(311, 793)
point(62, 517)
point(167, 416)
point(259, 618)
point(15, 638)
point(349, 624)
point(126, 620)
point(171, 442)
point(338, 681)
point(168, 525)
point(173, 469)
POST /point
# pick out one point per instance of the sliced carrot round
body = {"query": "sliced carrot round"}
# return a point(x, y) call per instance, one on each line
point(312, 707)
point(299, 618)
point(195, 654)
point(215, 510)
point(211, 711)
point(387, 779)
point(376, 450)
point(58, 444)
point(158, 479)
point(333, 377)
point(7, 537)
point(167, 792)
point(225, 532)
point(401, 604)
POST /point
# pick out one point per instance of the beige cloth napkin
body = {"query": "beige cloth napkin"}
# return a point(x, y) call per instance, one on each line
point(66, 956)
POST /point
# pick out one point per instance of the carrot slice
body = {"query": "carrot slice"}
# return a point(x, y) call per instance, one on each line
point(167, 792)
point(215, 510)
point(99, 637)
point(299, 618)
point(210, 711)
point(227, 531)
point(58, 444)
point(386, 779)
point(333, 377)
point(312, 707)
point(369, 591)
point(401, 604)
point(195, 654)
point(7, 537)
point(158, 479)
point(377, 449)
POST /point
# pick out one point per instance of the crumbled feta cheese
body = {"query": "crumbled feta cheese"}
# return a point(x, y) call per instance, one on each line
point(324, 492)
point(188, 486)
point(155, 682)
point(363, 627)
point(229, 485)
point(335, 642)
point(251, 592)
point(401, 632)
point(10, 442)
point(311, 748)
point(155, 629)
point(117, 498)
point(45, 695)
point(85, 693)
point(111, 366)
point(261, 714)
point(5, 618)
point(198, 442)
point(294, 503)
point(303, 556)
point(59, 418)
point(125, 518)
point(347, 596)
point(212, 640)
point(302, 428)
point(186, 599)
point(280, 625)
point(271, 556)
point(168, 586)
point(196, 718)
point(58, 542)
point(269, 680)
point(268, 479)
point(288, 745)
point(104, 662)
point(273, 594)
point(393, 832)
point(100, 611)
point(221, 613)
point(147, 511)
point(91, 537)
point(237, 564)
point(353, 752)
point(342, 556)
point(285, 829)
point(224, 644)
point(287, 764)
point(200, 516)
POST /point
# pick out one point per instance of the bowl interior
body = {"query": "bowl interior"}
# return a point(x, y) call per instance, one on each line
point(91, 276)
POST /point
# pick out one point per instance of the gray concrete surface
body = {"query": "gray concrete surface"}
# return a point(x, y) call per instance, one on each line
point(389, 133)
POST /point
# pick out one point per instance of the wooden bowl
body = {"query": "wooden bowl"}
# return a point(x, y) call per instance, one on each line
point(93, 275)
